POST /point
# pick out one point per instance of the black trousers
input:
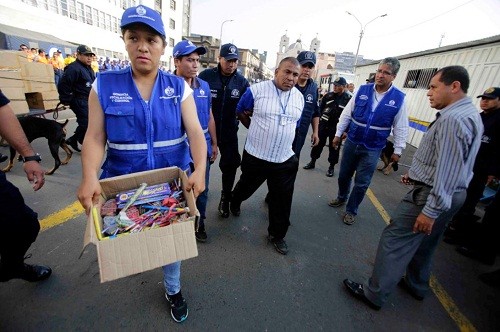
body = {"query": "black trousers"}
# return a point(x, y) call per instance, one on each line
point(80, 106)
point(326, 132)
point(19, 226)
point(230, 160)
point(280, 179)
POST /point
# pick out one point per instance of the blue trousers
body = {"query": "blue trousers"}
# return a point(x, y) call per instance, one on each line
point(401, 250)
point(356, 158)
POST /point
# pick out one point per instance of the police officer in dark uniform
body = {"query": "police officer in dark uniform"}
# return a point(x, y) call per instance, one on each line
point(19, 224)
point(226, 86)
point(74, 89)
point(332, 105)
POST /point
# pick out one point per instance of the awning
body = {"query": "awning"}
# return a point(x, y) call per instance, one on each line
point(11, 38)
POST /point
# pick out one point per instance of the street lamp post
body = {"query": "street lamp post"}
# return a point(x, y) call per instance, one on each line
point(361, 34)
point(220, 37)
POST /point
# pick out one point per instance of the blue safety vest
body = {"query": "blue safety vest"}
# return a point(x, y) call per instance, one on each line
point(142, 135)
point(202, 99)
point(371, 127)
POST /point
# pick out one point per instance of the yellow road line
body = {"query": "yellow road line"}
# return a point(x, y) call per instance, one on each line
point(446, 301)
point(69, 212)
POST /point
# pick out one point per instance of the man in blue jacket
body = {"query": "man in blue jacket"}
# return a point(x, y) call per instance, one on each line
point(227, 86)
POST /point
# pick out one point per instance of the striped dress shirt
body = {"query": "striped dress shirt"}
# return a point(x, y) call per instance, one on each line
point(446, 155)
point(273, 122)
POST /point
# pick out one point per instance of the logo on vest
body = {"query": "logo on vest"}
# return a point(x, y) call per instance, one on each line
point(392, 103)
point(309, 98)
point(88, 84)
point(363, 97)
point(235, 93)
point(118, 97)
point(169, 91)
point(202, 93)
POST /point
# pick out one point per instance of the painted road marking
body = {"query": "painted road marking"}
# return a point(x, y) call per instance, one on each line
point(69, 212)
point(446, 301)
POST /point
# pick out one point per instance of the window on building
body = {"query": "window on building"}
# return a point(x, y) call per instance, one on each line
point(108, 22)
point(171, 42)
point(42, 4)
point(158, 5)
point(172, 4)
point(172, 24)
point(72, 9)
point(54, 6)
point(102, 20)
point(31, 2)
point(88, 15)
point(419, 78)
point(115, 25)
point(95, 17)
point(80, 11)
point(64, 7)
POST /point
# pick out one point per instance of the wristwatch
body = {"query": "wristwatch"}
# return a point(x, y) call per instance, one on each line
point(36, 157)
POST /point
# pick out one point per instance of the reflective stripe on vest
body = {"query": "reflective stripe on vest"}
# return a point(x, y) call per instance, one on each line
point(144, 146)
point(371, 127)
point(205, 131)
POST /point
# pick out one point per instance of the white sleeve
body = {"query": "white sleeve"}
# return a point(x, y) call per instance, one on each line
point(94, 87)
point(400, 128)
point(345, 118)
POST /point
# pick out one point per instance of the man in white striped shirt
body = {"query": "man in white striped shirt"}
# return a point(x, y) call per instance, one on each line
point(270, 110)
point(440, 172)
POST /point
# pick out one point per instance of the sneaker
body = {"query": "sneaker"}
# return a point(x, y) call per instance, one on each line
point(310, 165)
point(178, 307)
point(279, 244)
point(349, 219)
point(330, 172)
point(336, 202)
point(200, 234)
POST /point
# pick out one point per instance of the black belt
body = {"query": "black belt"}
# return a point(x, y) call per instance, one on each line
point(419, 183)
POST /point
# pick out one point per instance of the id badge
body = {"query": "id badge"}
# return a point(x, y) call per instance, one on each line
point(284, 119)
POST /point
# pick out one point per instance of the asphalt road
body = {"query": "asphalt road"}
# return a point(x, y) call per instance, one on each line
point(239, 282)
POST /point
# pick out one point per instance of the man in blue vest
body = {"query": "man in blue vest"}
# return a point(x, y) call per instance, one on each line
point(368, 118)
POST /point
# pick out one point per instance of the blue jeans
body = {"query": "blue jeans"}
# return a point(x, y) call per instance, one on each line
point(201, 201)
point(172, 278)
point(356, 158)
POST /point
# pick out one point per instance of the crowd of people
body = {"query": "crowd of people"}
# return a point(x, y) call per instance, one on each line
point(278, 114)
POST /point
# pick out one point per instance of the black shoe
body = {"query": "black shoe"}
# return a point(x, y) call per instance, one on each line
point(310, 165)
point(224, 205)
point(402, 283)
point(199, 233)
point(178, 307)
point(73, 143)
point(330, 172)
point(279, 244)
point(3, 158)
point(477, 255)
point(29, 272)
point(235, 208)
point(491, 278)
point(357, 291)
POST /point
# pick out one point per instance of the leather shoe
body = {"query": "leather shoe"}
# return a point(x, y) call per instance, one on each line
point(29, 272)
point(310, 165)
point(73, 143)
point(235, 208)
point(330, 172)
point(477, 255)
point(403, 285)
point(358, 292)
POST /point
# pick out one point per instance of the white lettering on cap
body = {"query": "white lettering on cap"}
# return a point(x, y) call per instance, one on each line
point(232, 50)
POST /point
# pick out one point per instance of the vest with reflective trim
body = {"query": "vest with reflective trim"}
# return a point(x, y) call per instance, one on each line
point(371, 127)
point(142, 136)
point(202, 97)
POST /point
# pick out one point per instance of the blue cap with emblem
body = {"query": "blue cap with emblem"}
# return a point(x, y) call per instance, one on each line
point(229, 51)
point(187, 47)
point(144, 15)
point(306, 57)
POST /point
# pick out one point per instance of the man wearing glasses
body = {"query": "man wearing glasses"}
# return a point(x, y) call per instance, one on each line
point(368, 118)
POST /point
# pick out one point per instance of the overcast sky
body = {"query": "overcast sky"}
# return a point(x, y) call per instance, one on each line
point(409, 26)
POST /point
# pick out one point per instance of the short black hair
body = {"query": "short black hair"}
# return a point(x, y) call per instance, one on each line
point(451, 74)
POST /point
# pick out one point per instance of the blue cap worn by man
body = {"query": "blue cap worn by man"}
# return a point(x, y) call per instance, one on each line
point(229, 51)
point(306, 57)
point(340, 81)
point(187, 47)
point(144, 15)
point(491, 93)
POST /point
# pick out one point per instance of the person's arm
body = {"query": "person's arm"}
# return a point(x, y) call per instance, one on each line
point(315, 133)
point(92, 154)
point(197, 145)
point(11, 130)
point(245, 107)
point(344, 121)
point(65, 87)
point(400, 129)
point(213, 137)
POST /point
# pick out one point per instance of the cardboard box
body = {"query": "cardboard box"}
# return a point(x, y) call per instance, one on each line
point(11, 73)
point(10, 83)
point(37, 71)
point(35, 86)
point(41, 101)
point(14, 93)
point(19, 106)
point(138, 252)
point(12, 59)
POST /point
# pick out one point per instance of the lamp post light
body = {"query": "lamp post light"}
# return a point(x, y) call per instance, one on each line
point(363, 27)
point(220, 36)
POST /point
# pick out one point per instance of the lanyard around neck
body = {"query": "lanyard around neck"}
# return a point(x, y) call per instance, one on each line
point(283, 107)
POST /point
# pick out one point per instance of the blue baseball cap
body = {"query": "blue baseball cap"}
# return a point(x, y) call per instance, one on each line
point(229, 51)
point(187, 47)
point(340, 81)
point(306, 57)
point(144, 15)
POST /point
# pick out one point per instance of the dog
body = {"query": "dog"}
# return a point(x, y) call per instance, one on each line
point(385, 156)
point(53, 131)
